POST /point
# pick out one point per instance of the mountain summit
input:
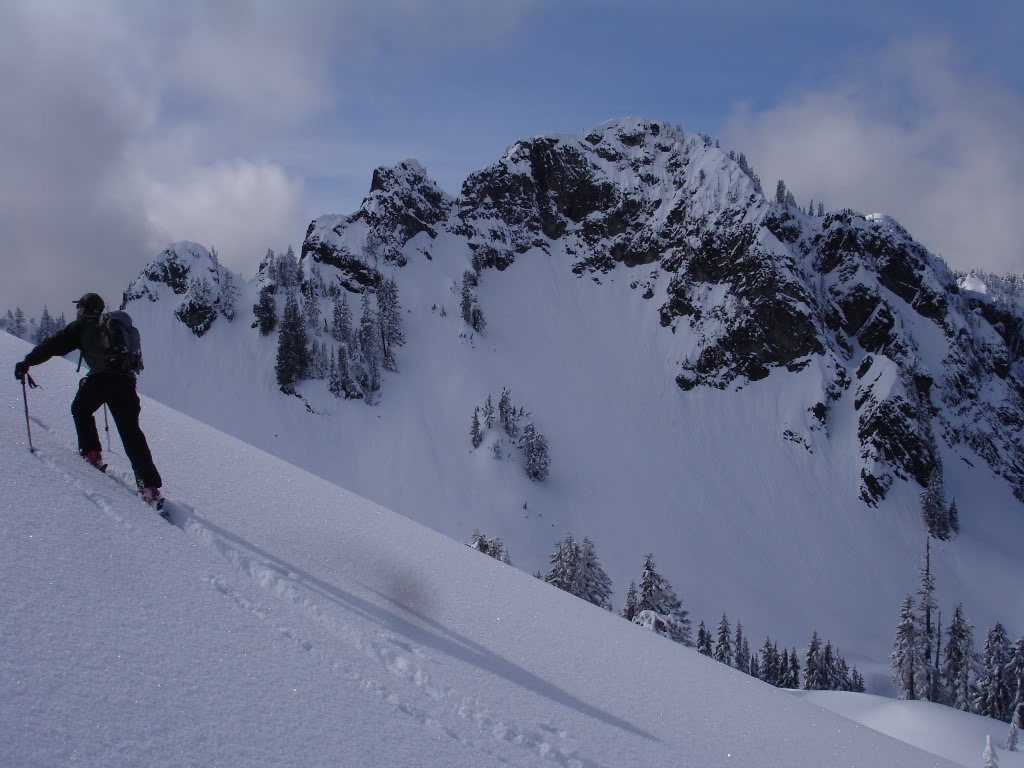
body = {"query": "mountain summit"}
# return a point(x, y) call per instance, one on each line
point(748, 284)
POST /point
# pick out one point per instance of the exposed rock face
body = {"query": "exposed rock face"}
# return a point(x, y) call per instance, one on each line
point(190, 271)
point(752, 287)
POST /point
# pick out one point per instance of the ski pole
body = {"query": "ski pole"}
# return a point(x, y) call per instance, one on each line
point(106, 426)
point(24, 396)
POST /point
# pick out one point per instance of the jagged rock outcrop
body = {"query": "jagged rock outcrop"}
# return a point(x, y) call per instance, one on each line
point(190, 271)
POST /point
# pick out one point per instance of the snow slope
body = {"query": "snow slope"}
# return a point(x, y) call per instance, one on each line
point(285, 621)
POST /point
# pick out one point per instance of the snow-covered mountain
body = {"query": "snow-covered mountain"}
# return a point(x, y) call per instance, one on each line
point(285, 621)
point(755, 395)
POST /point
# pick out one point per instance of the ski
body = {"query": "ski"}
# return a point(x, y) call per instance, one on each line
point(157, 504)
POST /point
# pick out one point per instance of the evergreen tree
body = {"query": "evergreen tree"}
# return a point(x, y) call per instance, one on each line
point(857, 680)
point(781, 192)
point(741, 650)
point(926, 683)
point(341, 326)
point(593, 583)
point(704, 641)
point(535, 449)
point(311, 304)
point(16, 326)
point(265, 310)
point(292, 355)
point(369, 347)
point(470, 305)
point(475, 437)
point(349, 388)
point(390, 321)
point(505, 408)
point(45, 330)
point(771, 662)
point(565, 561)
point(629, 609)
point(723, 646)
point(334, 377)
point(994, 696)
point(491, 547)
point(793, 678)
point(228, 295)
point(821, 209)
point(953, 516)
point(957, 661)
point(488, 413)
point(933, 505)
point(1015, 727)
point(814, 672)
point(659, 609)
point(905, 657)
point(1015, 674)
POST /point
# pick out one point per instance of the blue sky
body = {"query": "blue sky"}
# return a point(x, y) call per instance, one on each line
point(124, 126)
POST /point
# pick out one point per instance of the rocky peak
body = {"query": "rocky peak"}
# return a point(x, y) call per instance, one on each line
point(750, 285)
point(191, 272)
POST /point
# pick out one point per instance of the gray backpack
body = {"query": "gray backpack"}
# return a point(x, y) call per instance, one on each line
point(121, 342)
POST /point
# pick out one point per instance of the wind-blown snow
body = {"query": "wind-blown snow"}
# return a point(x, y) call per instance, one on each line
point(285, 621)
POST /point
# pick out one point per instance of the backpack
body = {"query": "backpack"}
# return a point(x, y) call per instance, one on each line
point(121, 343)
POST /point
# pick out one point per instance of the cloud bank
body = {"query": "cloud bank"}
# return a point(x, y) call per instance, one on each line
point(909, 133)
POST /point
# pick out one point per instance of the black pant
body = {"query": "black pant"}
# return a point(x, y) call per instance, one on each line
point(118, 392)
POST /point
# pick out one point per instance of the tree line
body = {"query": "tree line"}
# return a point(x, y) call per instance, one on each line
point(654, 605)
point(941, 665)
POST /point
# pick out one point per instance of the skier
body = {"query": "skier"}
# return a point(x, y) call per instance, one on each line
point(104, 384)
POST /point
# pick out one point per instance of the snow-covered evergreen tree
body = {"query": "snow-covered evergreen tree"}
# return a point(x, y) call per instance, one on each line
point(45, 329)
point(1015, 674)
point(16, 325)
point(228, 297)
point(475, 435)
point(933, 505)
point(311, 304)
point(704, 644)
point(994, 696)
point(470, 305)
point(629, 608)
point(1013, 734)
point(957, 662)
point(491, 547)
point(389, 312)
point(369, 348)
point(905, 658)
point(781, 192)
point(815, 673)
point(659, 609)
point(535, 451)
point(741, 649)
point(564, 572)
point(723, 645)
point(488, 413)
point(265, 310)
point(953, 516)
point(593, 583)
point(793, 676)
point(926, 682)
point(292, 354)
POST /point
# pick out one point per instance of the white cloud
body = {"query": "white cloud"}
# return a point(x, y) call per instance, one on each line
point(241, 208)
point(911, 133)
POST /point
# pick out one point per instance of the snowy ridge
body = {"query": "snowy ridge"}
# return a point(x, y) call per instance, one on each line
point(334, 632)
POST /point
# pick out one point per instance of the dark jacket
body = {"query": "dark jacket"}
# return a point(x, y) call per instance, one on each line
point(81, 334)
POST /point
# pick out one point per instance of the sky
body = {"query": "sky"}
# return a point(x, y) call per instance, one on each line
point(345, 634)
point(125, 126)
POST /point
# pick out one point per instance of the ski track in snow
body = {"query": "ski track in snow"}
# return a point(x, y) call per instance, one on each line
point(446, 708)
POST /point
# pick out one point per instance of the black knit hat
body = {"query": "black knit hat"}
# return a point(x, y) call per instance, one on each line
point(91, 303)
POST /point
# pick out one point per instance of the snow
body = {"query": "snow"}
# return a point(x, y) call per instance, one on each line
point(284, 620)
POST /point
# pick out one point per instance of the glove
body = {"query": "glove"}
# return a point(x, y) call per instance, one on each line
point(20, 370)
